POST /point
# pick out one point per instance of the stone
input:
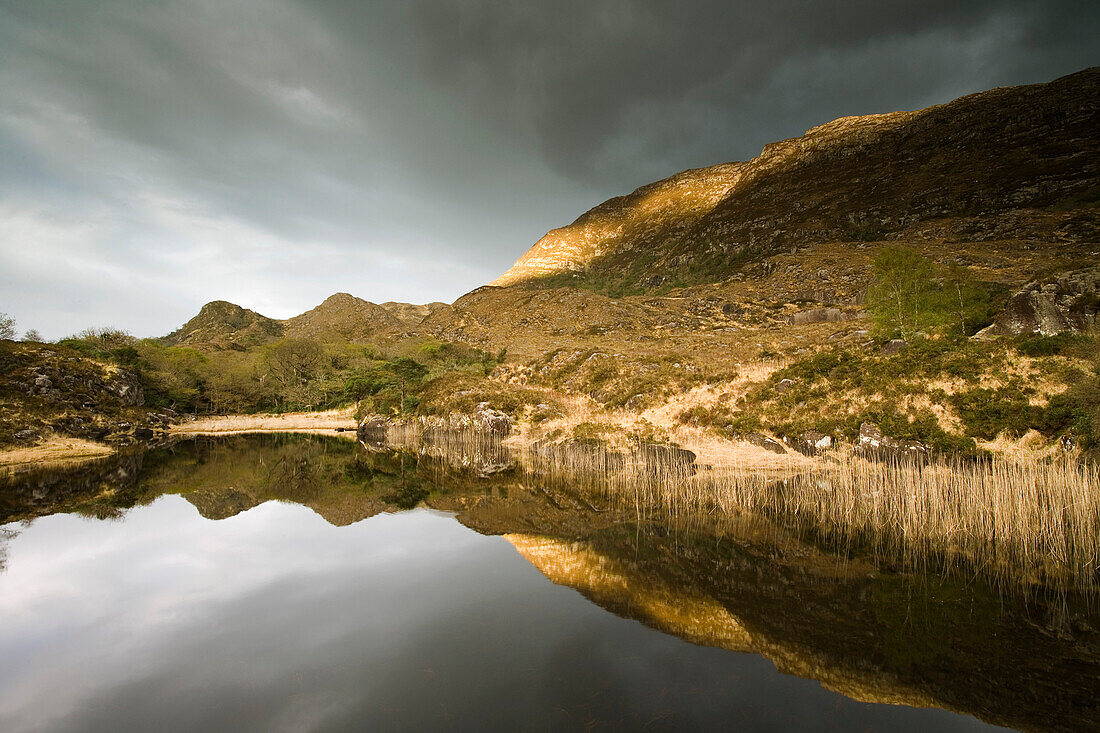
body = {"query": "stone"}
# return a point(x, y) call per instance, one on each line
point(372, 430)
point(809, 443)
point(26, 436)
point(1071, 302)
point(783, 385)
point(873, 443)
point(663, 459)
point(492, 421)
point(816, 315)
point(765, 442)
point(893, 346)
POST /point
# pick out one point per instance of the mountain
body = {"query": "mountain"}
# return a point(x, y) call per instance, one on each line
point(1016, 166)
point(343, 316)
point(221, 324)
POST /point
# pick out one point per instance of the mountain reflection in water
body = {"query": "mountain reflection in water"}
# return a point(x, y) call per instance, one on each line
point(125, 608)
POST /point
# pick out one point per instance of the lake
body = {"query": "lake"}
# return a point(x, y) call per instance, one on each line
point(309, 583)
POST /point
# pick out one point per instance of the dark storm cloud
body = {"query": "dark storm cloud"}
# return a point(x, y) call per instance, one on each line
point(160, 154)
point(613, 87)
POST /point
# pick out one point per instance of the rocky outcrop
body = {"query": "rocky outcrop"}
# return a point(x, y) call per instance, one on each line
point(1068, 302)
point(873, 443)
point(667, 458)
point(411, 315)
point(821, 315)
point(55, 390)
point(485, 420)
point(766, 442)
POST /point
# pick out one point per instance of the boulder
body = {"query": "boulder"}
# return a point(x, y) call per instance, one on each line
point(816, 315)
point(372, 430)
point(873, 443)
point(667, 459)
point(126, 387)
point(765, 442)
point(1068, 302)
point(893, 346)
point(26, 436)
point(809, 443)
point(492, 421)
point(783, 385)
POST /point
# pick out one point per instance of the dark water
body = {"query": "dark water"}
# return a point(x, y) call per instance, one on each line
point(277, 584)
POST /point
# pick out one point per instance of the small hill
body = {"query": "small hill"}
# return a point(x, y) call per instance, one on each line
point(343, 316)
point(1015, 166)
point(220, 324)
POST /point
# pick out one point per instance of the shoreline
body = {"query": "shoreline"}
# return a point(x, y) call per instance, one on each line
point(56, 451)
point(289, 422)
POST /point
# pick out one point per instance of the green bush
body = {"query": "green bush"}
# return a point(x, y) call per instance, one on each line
point(985, 413)
point(1048, 345)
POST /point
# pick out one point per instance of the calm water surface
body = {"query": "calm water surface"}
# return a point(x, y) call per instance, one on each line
point(220, 597)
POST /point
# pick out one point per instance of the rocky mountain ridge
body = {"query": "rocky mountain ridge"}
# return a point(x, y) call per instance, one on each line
point(1017, 163)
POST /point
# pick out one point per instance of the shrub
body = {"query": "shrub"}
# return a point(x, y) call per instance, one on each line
point(1047, 345)
point(987, 412)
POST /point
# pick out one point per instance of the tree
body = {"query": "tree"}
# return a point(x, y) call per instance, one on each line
point(910, 295)
point(390, 384)
point(904, 281)
point(7, 326)
point(33, 336)
point(294, 363)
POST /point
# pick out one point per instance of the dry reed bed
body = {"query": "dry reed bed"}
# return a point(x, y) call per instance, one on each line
point(1022, 523)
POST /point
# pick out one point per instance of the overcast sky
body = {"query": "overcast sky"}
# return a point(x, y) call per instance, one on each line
point(158, 155)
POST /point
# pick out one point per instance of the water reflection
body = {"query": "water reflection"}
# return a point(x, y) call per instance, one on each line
point(290, 611)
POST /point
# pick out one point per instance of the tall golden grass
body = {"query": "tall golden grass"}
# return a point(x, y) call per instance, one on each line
point(1036, 524)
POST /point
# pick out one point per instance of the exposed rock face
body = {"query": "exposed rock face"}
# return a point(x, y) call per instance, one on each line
point(763, 441)
point(1069, 302)
point(372, 430)
point(492, 421)
point(56, 390)
point(821, 315)
point(666, 456)
point(977, 169)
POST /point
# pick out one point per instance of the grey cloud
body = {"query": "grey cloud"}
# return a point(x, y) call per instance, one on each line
point(275, 151)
